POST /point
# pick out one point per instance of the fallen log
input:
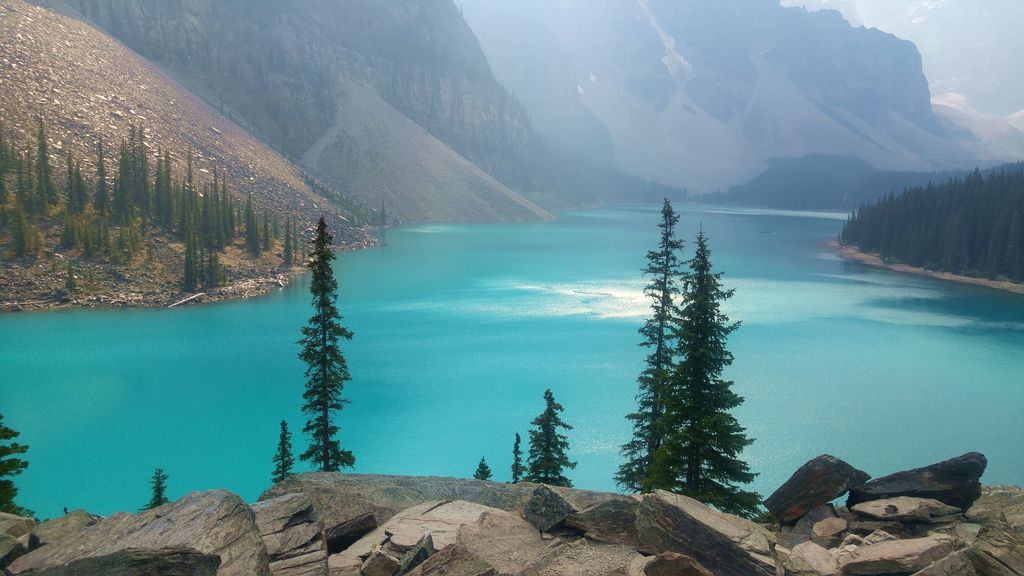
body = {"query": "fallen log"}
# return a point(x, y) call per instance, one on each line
point(186, 300)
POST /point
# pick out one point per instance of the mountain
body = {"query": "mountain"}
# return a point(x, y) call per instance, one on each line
point(702, 94)
point(818, 182)
point(392, 102)
point(969, 48)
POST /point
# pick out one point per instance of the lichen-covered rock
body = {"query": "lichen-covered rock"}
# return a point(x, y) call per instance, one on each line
point(216, 522)
point(668, 564)
point(1004, 545)
point(15, 537)
point(828, 532)
point(546, 508)
point(955, 482)
point(816, 483)
point(726, 545)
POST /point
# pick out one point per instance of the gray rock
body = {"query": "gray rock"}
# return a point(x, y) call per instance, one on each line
point(724, 544)
point(1004, 545)
point(904, 509)
point(381, 564)
point(61, 527)
point(810, 559)
point(344, 533)
point(418, 554)
point(546, 508)
point(790, 536)
point(292, 535)
point(828, 532)
point(216, 522)
point(999, 505)
point(818, 482)
point(955, 482)
point(611, 522)
point(668, 564)
point(967, 562)
point(15, 537)
point(452, 561)
point(896, 556)
point(866, 527)
point(583, 557)
point(141, 562)
point(879, 536)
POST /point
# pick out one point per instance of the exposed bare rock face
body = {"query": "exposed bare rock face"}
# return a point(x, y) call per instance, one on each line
point(294, 537)
point(819, 481)
point(61, 527)
point(955, 482)
point(728, 545)
point(216, 522)
point(16, 537)
point(141, 562)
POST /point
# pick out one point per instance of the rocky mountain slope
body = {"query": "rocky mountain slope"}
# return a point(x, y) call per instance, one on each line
point(393, 102)
point(88, 87)
point(931, 521)
point(701, 94)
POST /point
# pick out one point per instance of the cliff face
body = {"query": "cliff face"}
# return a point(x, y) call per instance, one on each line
point(703, 94)
point(291, 71)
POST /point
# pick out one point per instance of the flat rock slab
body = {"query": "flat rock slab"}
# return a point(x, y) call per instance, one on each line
point(546, 508)
point(816, 483)
point(611, 522)
point(136, 562)
point(955, 482)
point(904, 509)
point(896, 556)
point(724, 544)
point(216, 522)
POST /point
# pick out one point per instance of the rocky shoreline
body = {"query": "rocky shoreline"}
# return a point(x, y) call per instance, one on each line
point(143, 289)
point(932, 521)
point(854, 254)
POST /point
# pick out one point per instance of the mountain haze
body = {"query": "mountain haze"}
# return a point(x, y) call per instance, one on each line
point(702, 94)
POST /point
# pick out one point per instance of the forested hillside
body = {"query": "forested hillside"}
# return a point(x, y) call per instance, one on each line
point(972, 226)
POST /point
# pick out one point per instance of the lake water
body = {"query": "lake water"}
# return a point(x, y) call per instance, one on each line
point(459, 329)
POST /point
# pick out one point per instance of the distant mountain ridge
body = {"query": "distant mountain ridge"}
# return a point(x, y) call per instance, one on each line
point(703, 94)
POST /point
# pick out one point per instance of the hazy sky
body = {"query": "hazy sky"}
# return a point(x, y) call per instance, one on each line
point(970, 47)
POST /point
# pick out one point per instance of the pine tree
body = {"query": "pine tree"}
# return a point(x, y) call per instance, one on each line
point(21, 231)
point(547, 459)
point(190, 275)
point(46, 191)
point(102, 201)
point(326, 371)
point(289, 245)
point(9, 467)
point(663, 267)
point(517, 460)
point(69, 280)
point(159, 485)
point(266, 232)
point(699, 455)
point(483, 471)
point(283, 460)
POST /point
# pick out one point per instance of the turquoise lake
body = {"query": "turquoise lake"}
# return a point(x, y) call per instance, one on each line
point(459, 330)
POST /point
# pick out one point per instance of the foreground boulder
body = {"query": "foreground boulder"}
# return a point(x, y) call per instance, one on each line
point(955, 482)
point(611, 522)
point(896, 556)
point(61, 527)
point(216, 522)
point(668, 564)
point(141, 562)
point(725, 544)
point(293, 536)
point(905, 509)
point(819, 481)
point(15, 537)
point(546, 508)
point(999, 505)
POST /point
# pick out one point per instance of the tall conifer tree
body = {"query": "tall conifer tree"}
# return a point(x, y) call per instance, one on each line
point(158, 485)
point(10, 466)
point(326, 371)
point(517, 460)
point(663, 268)
point(283, 459)
point(547, 459)
point(699, 455)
